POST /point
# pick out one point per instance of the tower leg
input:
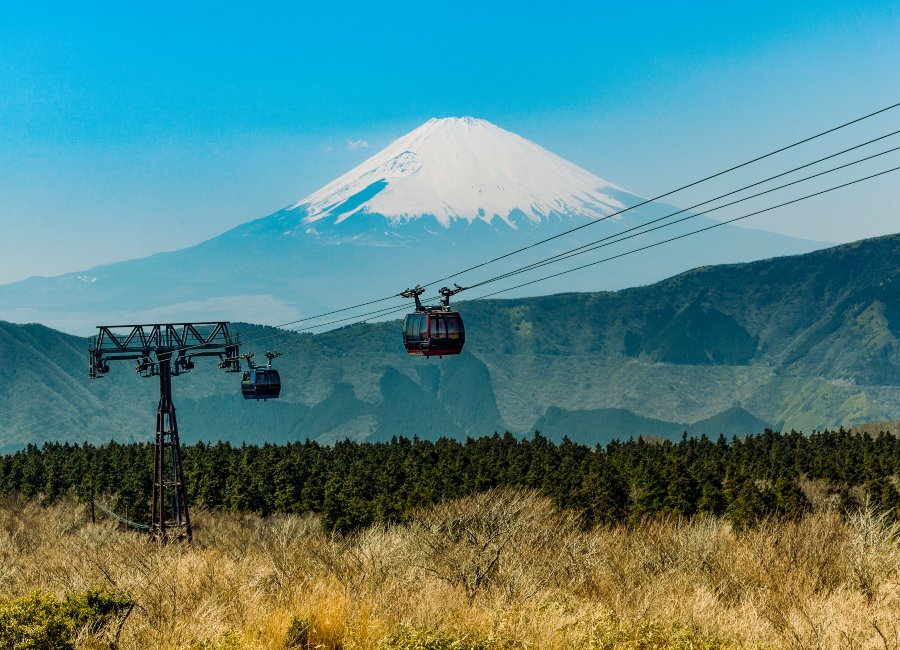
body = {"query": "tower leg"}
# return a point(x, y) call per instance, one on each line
point(170, 518)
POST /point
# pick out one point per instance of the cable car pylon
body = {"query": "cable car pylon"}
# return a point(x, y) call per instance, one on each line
point(165, 351)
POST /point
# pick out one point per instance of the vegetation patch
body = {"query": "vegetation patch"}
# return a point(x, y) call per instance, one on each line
point(411, 639)
point(43, 622)
point(611, 633)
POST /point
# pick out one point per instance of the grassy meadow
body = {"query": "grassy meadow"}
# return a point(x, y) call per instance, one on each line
point(500, 569)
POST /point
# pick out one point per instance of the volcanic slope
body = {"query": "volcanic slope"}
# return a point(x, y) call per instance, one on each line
point(802, 342)
point(449, 194)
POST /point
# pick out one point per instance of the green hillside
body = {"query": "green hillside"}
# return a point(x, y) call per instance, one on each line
point(808, 341)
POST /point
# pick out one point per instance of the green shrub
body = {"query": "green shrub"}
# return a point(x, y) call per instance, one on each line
point(410, 639)
point(43, 622)
point(227, 641)
point(298, 634)
point(611, 633)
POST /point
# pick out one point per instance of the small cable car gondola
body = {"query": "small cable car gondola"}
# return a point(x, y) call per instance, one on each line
point(261, 382)
point(433, 331)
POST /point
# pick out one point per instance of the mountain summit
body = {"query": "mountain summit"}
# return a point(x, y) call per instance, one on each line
point(462, 168)
point(450, 194)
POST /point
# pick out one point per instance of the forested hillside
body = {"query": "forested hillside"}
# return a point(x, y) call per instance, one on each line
point(803, 342)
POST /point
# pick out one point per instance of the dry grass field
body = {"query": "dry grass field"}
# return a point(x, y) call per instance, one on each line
point(502, 569)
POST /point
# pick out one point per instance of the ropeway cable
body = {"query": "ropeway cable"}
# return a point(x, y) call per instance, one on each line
point(643, 228)
point(671, 192)
point(782, 149)
point(632, 207)
point(320, 340)
point(645, 202)
point(694, 232)
point(315, 343)
point(591, 246)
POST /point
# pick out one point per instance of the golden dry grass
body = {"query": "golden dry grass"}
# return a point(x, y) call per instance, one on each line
point(501, 569)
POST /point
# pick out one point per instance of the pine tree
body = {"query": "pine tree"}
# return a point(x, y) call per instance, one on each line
point(749, 506)
point(790, 502)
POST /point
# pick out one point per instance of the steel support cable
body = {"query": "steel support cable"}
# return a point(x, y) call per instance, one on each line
point(315, 343)
point(670, 192)
point(694, 232)
point(645, 202)
point(355, 318)
point(591, 245)
point(303, 345)
point(653, 245)
point(324, 338)
point(643, 228)
point(328, 313)
point(590, 223)
point(311, 344)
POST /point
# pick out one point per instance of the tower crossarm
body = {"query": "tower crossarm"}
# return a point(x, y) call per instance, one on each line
point(147, 342)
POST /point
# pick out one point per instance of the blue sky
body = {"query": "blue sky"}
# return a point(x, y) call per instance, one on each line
point(126, 130)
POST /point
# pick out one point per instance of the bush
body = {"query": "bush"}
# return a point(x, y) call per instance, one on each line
point(298, 634)
point(410, 639)
point(43, 622)
point(610, 633)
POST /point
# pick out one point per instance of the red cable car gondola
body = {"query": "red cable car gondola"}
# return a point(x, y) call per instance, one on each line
point(433, 331)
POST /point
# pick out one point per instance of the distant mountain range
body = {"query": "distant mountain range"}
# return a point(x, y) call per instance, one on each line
point(452, 193)
point(801, 342)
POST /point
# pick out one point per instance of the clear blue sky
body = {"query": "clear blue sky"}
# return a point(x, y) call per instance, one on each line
point(131, 128)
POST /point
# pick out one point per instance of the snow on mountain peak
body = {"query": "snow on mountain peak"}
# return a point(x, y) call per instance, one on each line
point(462, 168)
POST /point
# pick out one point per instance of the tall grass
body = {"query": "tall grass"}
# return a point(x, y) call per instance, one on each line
point(501, 569)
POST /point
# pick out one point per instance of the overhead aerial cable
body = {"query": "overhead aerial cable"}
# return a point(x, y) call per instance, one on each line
point(321, 340)
point(632, 207)
point(689, 234)
point(643, 226)
point(618, 237)
point(388, 311)
point(669, 193)
point(417, 291)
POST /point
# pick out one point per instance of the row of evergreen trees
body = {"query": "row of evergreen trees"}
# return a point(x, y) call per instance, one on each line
point(355, 484)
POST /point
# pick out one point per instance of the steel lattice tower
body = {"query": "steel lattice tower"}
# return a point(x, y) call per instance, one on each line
point(165, 351)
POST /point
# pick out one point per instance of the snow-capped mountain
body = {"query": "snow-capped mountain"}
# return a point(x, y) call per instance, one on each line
point(461, 169)
point(450, 194)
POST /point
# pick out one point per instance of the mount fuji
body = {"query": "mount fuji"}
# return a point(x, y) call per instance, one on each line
point(448, 195)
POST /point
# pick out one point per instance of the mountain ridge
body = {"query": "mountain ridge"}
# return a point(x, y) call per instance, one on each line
point(823, 331)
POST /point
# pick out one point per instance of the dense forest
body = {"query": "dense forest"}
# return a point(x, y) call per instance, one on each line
point(353, 485)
